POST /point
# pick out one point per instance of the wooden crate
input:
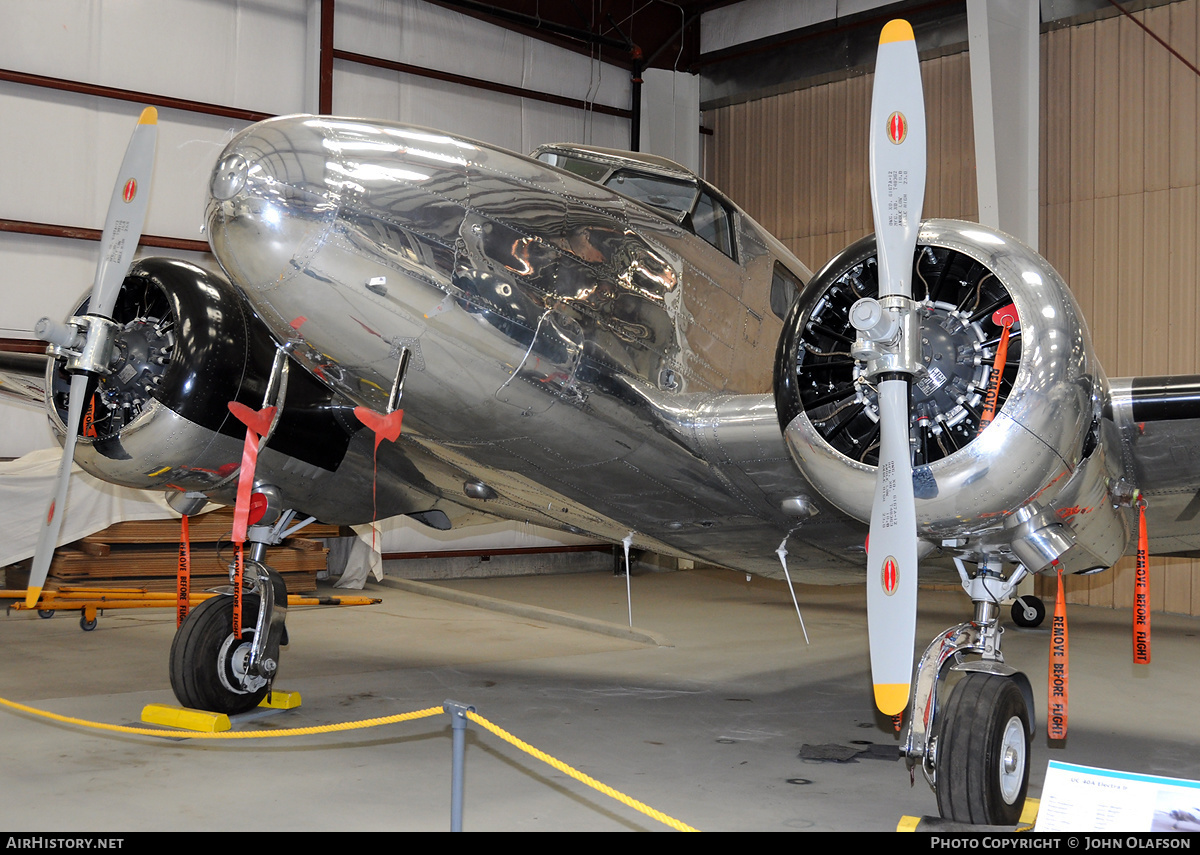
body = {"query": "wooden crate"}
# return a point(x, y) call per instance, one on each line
point(145, 554)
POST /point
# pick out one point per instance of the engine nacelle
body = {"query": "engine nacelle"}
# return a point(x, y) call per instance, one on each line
point(185, 346)
point(1034, 485)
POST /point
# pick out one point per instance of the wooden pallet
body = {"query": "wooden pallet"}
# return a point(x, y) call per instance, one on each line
point(137, 554)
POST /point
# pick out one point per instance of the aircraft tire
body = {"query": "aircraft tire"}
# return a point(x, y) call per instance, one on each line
point(204, 651)
point(983, 752)
point(1018, 612)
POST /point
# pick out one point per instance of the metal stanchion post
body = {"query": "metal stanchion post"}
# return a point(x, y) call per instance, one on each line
point(458, 721)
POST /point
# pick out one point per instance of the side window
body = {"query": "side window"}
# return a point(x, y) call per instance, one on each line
point(711, 221)
point(785, 288)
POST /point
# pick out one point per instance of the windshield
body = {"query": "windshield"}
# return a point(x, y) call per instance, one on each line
point(680, 199)
point(675, 197)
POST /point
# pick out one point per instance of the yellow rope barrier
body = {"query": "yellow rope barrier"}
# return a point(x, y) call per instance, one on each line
point(230, 734)
point(579, 776)
point(359, 725)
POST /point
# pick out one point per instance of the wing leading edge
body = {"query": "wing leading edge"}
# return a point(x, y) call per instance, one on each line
point(1157, 420)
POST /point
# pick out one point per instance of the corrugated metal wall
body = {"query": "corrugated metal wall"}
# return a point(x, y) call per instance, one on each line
point(1120, 203)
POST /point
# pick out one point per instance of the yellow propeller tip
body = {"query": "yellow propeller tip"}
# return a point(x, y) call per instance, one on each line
point(32, 595)
point(150, 115)
point(896, 31)
point(891, 698)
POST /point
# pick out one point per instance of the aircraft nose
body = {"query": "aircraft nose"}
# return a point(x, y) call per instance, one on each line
point(269, 207)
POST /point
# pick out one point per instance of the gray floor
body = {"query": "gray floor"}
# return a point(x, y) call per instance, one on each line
point(705, 726)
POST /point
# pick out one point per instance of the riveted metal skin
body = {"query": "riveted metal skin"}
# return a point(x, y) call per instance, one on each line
point(580, 349)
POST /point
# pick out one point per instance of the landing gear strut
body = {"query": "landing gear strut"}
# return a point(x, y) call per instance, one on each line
point(973, 747)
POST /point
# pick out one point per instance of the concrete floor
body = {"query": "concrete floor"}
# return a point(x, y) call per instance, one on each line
point(705, 726)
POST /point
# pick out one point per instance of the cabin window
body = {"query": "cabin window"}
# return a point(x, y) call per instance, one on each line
point(681, 200)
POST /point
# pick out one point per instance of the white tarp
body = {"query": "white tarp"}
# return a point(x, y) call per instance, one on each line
point(26, 485)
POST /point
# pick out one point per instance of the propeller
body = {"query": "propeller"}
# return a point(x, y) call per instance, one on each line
point(889, 341)
point(87, 341)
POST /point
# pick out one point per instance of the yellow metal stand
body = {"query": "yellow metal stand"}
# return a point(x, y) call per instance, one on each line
point(88, 601)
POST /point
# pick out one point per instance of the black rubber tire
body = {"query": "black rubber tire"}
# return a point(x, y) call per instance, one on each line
point(85, 624)
point(45, 614)
point(1018, 613)
point(195, 655)
point(983, 712)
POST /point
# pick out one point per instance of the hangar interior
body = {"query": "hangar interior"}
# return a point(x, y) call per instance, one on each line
point(706, 709)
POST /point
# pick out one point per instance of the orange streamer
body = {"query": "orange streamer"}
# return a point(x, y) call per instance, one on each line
point(384, 427)
point(1056, 721)
point(239, 574)
point(258, 424)
point(183, 578)
point(993, 393)
point(1141, 592)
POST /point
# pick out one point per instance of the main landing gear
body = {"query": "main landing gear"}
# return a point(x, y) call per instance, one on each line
point(972, 739)
point(212, 668)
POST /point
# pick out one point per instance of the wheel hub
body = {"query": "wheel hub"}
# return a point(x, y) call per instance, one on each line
point(235, 674)
point(1012, 759)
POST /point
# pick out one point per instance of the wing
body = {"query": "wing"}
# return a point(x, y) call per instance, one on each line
point(1157, 422)
point(23, 375)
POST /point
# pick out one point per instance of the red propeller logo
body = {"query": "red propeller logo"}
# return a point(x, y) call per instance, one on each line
point(890, 575)
point(130, 190)
point(897, 127)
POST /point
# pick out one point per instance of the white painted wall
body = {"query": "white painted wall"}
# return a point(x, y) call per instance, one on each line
point(671, 116)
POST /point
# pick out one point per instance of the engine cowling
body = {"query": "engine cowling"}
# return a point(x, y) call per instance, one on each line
point(1035, 484)
point(186, 347)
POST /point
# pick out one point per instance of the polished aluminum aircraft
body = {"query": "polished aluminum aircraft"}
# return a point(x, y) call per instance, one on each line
point(602, 342)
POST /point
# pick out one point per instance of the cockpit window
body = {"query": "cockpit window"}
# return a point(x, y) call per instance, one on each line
point(785, 288)
point(683, 201)
point(589, 169)
point(675, 197)
point(711, 221)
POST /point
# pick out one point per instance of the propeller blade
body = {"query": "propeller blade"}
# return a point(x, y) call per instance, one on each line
point(118, 242)
point(897, 156)
point(52, 524)
point(126, 214)
point(892, 557)
point(897, 193)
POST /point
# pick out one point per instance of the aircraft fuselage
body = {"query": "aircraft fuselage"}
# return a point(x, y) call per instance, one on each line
point(570, 346)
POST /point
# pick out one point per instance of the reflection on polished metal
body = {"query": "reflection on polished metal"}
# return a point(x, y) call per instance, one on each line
point(596, 356)
point(603, 343)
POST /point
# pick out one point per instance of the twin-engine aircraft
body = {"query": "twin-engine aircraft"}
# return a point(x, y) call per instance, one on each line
point(602, 342)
